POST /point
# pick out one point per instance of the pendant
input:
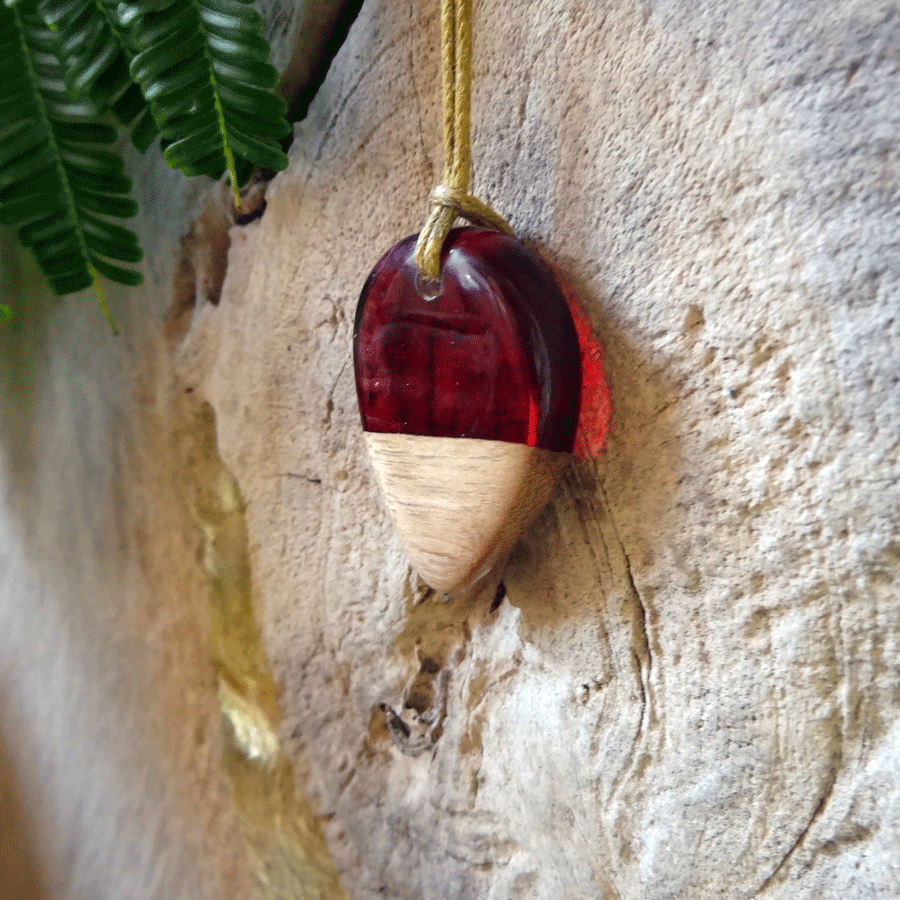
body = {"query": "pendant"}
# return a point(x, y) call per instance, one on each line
point(470, 392)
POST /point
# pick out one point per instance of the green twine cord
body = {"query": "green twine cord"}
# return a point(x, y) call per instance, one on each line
point(451, 199)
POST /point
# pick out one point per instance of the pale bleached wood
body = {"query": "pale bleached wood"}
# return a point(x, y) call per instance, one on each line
point(690, 690)
point(459, 504)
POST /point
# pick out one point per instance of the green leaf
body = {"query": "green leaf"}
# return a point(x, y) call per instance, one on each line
point(95, 51)
point(144, 131)
point(101, 202)
point(58, 186)
point(203, 67)
point(116, 273)
point(85, 133)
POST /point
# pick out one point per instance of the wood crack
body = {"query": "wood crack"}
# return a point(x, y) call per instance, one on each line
point(644, 636)
point(311, 479)
point(351, 91)
point(643, 655)
point(795, 846)
point(801, 838)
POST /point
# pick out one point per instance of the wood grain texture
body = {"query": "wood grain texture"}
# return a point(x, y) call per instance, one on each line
point(459, 504)
point(689, 689)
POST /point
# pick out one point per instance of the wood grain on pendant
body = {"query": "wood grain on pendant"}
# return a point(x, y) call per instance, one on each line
point(459, 504)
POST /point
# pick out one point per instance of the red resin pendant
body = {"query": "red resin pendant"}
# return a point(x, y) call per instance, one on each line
point(470, 393)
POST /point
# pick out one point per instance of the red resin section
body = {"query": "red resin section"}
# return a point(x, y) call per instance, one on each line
point(596, 403)
point(494, 355)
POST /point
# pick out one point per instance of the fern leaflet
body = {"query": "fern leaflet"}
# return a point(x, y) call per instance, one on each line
point(203, 68)
point(96, 53)
point(57, 184)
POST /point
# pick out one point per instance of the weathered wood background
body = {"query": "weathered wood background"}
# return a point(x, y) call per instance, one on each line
point(691, 687)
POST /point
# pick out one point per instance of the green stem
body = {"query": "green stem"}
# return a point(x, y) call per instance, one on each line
point(101, 300)
point(220, 113)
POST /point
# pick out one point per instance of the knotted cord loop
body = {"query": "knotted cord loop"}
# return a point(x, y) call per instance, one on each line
point(451, 199)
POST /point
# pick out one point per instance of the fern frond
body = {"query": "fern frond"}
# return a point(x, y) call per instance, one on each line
point(57, 184)
point(203, 68)
point(95, 51)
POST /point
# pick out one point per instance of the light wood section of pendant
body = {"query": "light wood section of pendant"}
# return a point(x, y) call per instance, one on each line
point(459, 504)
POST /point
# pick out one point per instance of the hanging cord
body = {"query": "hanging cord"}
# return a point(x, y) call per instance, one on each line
point(452, 199)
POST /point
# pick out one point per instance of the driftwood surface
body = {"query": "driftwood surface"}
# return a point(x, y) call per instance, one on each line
point(689, 687)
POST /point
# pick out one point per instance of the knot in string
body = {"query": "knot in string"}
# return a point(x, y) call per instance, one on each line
point(451, 199)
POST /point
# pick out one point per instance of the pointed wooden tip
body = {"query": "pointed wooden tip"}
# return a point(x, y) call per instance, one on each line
point(460, 504)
